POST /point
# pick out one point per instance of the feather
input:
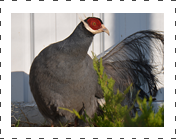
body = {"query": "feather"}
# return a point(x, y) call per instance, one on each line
point(136, 60)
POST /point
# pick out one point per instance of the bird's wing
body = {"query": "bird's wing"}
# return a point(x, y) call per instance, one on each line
point(136, 59)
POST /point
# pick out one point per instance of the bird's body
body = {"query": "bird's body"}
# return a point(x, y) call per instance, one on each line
point(62, 75)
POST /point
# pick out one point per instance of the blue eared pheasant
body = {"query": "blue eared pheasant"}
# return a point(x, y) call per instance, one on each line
point(62, 75)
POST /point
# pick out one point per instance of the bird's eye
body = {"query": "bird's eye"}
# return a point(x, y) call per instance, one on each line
point(94, 24)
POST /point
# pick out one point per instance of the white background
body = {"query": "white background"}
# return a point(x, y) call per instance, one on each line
point(126, 6)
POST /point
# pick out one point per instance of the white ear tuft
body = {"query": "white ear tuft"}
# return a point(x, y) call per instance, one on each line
point(85, 16)
point(80, 18)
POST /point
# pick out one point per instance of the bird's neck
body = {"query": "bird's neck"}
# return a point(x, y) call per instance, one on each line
point(77, 44)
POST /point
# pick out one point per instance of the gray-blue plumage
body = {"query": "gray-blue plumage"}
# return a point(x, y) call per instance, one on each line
point(62, 75)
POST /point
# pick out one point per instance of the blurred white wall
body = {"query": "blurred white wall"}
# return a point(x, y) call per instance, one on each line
point(30, 33)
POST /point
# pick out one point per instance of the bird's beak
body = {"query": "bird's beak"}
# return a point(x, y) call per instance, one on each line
point(104, 29)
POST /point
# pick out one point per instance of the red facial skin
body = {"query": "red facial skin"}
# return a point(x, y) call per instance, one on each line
point(94, 23)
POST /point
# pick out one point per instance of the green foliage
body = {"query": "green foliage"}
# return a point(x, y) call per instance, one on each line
point(116, 115)
point(148, 118)
point(17, 123)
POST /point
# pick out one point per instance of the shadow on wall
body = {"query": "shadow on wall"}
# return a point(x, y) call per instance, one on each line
point(160, 94)
point(20, 89)
point(23, 106)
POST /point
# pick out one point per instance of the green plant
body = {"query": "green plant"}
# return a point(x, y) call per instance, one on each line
point(17, 123)
point(147, 118)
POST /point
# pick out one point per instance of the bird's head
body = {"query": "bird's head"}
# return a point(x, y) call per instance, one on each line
point(94, 25)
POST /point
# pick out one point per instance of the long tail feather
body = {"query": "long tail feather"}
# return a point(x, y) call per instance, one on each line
point(136, 60)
